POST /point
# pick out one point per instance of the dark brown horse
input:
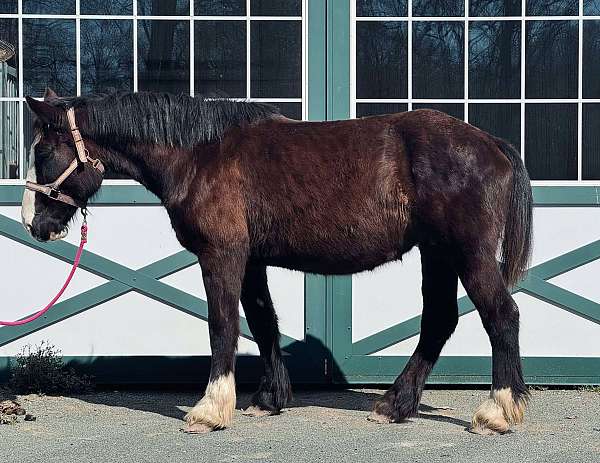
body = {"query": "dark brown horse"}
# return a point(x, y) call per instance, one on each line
point(246, 188)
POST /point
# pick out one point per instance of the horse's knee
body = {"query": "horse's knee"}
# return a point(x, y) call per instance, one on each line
point(215, 409)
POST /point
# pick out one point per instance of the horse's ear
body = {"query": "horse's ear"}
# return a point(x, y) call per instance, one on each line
point(46, 113)
point(50, 94)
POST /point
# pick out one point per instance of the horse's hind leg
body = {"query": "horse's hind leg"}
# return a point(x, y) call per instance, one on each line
point(274, 390)
point(438, 321)
point(485, 286)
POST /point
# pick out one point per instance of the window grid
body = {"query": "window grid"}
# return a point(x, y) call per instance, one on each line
point(467, 19)
point(134, 17)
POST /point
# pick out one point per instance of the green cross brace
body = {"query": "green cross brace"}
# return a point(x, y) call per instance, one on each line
point(122, 280)
point(535, 285)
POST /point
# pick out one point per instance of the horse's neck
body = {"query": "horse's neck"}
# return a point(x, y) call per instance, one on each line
point(157, 168)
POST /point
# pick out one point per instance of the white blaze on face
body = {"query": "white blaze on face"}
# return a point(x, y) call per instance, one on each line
point(28, 205)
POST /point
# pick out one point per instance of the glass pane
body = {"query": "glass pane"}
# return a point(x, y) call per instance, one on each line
point(552, 7)
point(438, 59)
point(381, 59)
point(501, 120)
point(291, 110)
point(49, 56)
point(591, 59)
point(438, 8)
point(8, 6)
point(9, 61)
point(551, 141)
point(275, 8)
point(495, 59)
point(591, 142)
point(453, 109)
point(495, 7)
point(372, 109)
point(220, 65)
point(551, 59)
point(49, 6)
point(164, 7)
point(381, 8)
point(220, 7)
point(106, 55)
point(113, 7)
point(276, 59)
point(9, 139)
point(164, 56)
point(591, 7)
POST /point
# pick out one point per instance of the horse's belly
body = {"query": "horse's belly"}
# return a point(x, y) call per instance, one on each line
point(337, 256)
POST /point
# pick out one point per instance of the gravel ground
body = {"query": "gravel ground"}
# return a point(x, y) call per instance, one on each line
point(321, 426)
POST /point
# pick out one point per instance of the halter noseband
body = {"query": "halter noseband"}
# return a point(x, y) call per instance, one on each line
point(83, 156)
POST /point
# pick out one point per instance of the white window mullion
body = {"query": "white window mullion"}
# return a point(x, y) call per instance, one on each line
point(78, 46)
point(192, 57)
point(22, 167)
point(523, 43)
point(580, 94)
point(248, 23)
point(135, 46)
point(409, 55)
point(304, 58)
point(353, 46)
point(466, 63)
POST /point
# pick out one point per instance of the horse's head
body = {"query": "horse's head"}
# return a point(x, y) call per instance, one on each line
point(51, 153)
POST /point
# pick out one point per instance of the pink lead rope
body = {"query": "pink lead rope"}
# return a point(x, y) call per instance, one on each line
point(84, 230)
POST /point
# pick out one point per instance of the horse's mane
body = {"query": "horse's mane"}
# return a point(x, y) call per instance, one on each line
point(162, 118)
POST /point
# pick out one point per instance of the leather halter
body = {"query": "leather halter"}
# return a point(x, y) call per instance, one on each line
point(83, 156)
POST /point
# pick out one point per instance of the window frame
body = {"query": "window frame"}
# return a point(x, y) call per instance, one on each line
point(134, 17)
point(466, 19)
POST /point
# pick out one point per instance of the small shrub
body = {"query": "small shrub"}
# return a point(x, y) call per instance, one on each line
point(40, 370)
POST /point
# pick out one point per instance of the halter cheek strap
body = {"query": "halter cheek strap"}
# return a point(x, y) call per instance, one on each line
point(52, 190)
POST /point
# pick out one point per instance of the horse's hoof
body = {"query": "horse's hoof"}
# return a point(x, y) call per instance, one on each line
point(483, 430)
point(197, 428)
point(489, 419)
point(379, 418)
point(255, 411)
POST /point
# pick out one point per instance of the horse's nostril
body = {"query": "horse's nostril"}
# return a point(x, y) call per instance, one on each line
point(28, 227)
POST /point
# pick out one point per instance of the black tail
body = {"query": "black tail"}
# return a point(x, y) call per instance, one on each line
point(516, 243)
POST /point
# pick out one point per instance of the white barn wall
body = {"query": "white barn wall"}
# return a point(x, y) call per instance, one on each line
point(132, 324)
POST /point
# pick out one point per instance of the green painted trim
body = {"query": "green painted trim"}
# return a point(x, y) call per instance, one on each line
point(474, 370)
point(549, 269)
point(340, 288)
point(173, 370)
point(400, 332)
point(338, 59)
point(562, 298)
point(108, 195)
point(566, 195)
point(146, 370)
point(317, 60)
point(568, 261)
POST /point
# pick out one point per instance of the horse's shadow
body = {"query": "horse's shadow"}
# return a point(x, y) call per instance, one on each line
point(171, 402)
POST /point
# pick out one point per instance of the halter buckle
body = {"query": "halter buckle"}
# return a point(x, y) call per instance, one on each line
point(95, 163)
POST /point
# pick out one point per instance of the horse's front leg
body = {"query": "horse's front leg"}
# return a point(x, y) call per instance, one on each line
point(222, 272)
